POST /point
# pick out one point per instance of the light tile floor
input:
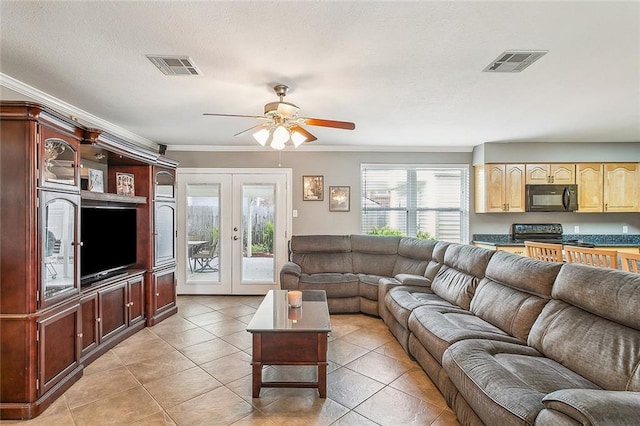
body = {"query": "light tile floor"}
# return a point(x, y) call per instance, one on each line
point(194, 369)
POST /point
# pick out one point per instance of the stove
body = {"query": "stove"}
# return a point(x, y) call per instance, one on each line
point(544, 233)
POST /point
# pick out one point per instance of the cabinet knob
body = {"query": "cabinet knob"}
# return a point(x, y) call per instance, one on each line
point(79, 334)
point(98, 320)
point(157, 294)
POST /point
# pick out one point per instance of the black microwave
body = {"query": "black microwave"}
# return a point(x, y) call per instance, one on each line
point(551, 198)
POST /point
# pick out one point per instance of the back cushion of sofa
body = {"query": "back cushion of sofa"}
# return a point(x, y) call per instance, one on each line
point(374, 254)
point(322, 253)
point(437, 260)
point(513, 292)
point(458, 278)
point(593, 325)
point(413, 256)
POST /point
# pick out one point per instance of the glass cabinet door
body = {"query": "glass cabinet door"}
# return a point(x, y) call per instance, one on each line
point(165, 184)
point(165, 233)
point(59, 236)
point(59, 160)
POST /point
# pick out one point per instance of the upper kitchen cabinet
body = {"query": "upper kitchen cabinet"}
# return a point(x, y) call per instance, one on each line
point(608, 187)
point(621, 187)
point(589, 177)
point(563, 174)
point(500, 188)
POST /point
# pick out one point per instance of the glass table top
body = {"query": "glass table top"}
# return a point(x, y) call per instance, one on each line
point(274, 313)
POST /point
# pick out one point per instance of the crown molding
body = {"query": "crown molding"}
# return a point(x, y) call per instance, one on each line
point(73, 112)
point(319, 148)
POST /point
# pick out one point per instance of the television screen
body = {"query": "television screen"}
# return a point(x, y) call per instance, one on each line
point(108, 236)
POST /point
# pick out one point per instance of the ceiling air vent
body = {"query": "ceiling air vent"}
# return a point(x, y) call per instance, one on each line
point(174, 65)
point(514, 60)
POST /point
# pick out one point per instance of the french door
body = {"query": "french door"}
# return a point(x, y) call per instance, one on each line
point(233, 227)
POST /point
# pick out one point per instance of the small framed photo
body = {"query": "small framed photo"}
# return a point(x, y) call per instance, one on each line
point(96, 181)
point(312, 188)
point(124, 184)
point(339, 198)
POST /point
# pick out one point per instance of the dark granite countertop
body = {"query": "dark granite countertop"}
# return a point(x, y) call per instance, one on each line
point(600, 240)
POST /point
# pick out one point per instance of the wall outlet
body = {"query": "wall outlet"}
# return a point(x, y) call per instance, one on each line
point(295, 213)
point(576, 229)
point(625, 229)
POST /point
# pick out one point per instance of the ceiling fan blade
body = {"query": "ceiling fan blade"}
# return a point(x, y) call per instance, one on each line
point(250, 128)
point(304, 132)
point(329, 123)
point(236, 115)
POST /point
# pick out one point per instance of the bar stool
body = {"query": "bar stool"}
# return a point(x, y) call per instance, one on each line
point(592, 256)
point(629, 261)
point(544, 251)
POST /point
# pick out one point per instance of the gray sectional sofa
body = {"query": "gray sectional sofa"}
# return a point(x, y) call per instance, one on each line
point(507, 339)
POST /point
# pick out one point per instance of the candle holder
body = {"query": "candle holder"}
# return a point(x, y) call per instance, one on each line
point(294, 298)
point(294, 314)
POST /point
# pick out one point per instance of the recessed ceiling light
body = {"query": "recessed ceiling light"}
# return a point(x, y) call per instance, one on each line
point(514, 60)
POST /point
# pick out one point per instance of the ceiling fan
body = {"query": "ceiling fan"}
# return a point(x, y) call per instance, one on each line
point(282, 124)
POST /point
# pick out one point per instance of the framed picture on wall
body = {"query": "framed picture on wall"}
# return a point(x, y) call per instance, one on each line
point(339, 198)
point(124, 184)
point(96, 181)
point(312, 188)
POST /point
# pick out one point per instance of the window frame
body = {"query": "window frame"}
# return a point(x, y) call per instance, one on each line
point(411, 202)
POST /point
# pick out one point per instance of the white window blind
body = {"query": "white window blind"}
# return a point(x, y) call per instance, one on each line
point(415, 200)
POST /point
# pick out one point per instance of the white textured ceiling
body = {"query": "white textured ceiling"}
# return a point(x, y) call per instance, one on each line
point(407, 73)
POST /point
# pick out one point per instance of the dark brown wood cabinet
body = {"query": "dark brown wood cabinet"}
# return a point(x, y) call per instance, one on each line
point(51, 326)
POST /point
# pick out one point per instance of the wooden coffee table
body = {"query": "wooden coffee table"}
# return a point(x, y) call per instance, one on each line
point(291, 336)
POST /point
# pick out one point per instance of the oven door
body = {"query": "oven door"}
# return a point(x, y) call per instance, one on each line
point(551, 198)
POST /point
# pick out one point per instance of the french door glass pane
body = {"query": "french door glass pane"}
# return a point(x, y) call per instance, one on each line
point(203, 228)
point(258, 214)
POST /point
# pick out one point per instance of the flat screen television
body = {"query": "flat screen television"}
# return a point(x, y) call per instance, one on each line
point(108, 236)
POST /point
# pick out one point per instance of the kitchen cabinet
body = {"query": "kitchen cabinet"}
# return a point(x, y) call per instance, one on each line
point(589, 177)
point(621, 187)
point(500, 188)
point(560, 174)
point(608, 187)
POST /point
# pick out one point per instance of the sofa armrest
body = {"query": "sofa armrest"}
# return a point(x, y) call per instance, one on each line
point(596, 407)
point(290, 276)
point(413, 280)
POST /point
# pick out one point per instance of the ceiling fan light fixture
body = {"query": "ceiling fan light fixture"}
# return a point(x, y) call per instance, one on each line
point(280, 137)
point(261, 136)
point(297, 138)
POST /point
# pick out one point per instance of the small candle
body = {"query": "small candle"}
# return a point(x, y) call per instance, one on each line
point(295, 298)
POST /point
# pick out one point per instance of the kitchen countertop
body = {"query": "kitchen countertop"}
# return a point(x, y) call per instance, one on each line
point(600, 240)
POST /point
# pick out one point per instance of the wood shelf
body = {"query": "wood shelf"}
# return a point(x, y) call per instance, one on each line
point(112, 198)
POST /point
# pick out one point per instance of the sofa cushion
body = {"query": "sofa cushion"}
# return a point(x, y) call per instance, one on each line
point(504, 382)
point(603, 351)
point(611, 294)
point(400, 301)
point(374, 254)
point(458, 278)
point(437, 260)
point(322, 253)
point(513, 292)
point(413, 256)
point(369, 286)
point(590, 325)
point(336, 285)
point(438, 327)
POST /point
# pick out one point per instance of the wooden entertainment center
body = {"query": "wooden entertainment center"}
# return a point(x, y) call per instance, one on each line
point(51, 326)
